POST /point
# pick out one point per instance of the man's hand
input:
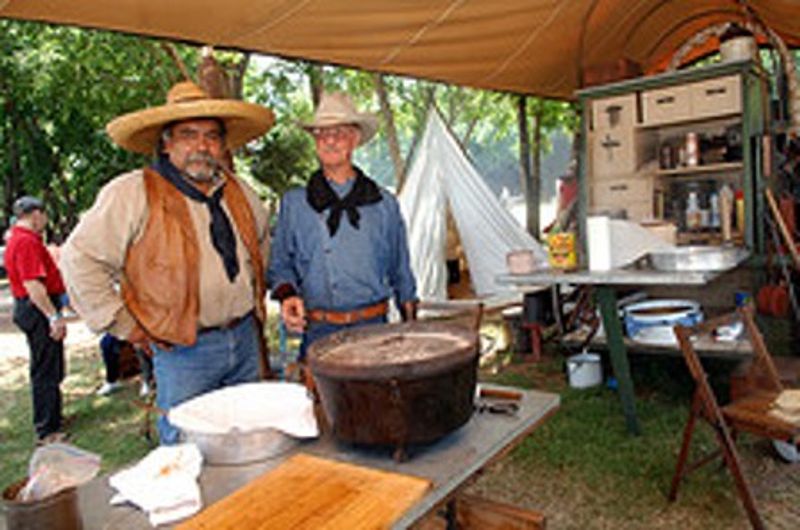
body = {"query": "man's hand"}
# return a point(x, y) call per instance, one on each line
point(293, 312)
point(140, 339)
point(408, 311)
point(58, 329)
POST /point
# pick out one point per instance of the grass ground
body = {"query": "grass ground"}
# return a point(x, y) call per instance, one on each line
point(581, 468)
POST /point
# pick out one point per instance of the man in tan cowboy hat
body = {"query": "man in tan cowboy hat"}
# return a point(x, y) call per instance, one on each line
point(185, 242)
point(339, 252)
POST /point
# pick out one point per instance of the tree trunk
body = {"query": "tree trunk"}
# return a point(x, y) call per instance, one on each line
point(536, 170)
point(470, 129)
point(237, 79)
point(176, 58)
point(391, 131)
point(430, 93)
point(314, 72)
point(530, 187)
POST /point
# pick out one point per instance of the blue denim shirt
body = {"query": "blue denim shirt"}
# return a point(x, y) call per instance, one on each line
point(352, 269)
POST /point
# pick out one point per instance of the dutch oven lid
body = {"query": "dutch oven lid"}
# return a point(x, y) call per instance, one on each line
point(410, 349)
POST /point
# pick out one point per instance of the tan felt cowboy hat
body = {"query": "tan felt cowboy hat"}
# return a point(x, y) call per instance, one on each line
point(336, 108)
point(139, 131)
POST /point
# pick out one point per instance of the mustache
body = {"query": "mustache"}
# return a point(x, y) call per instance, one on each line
point(205, 158)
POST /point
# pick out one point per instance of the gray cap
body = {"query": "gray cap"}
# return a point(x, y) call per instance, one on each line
point(27, 204)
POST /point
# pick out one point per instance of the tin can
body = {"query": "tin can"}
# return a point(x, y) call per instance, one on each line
point(561, 250)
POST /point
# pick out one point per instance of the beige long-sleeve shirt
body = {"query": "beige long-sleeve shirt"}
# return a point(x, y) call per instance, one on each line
point(94, 255)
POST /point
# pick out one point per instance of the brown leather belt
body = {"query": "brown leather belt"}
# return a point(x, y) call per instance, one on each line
point(227, 325)
point(341, 318)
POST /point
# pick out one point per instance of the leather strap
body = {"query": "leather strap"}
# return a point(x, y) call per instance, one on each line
point(341, 318)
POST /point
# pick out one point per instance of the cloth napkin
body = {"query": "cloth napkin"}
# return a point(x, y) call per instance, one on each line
point(787, 406)
point(163, 484)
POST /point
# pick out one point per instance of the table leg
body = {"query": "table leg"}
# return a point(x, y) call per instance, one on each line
point(607, 301)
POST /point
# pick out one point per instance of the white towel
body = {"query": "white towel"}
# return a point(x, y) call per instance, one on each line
point(163, 484)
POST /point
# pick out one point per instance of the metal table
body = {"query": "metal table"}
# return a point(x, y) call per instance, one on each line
point(605, 284)
point(448, 463)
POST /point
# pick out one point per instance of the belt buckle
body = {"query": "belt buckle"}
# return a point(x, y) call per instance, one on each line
point(348, 317)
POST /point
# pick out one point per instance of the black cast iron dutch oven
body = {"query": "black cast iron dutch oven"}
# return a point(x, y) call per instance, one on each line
point(396, 384)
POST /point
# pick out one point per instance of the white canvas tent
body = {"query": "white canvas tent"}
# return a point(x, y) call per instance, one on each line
point(442, 177)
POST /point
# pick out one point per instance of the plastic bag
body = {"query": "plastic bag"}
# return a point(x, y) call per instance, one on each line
point(56, 467)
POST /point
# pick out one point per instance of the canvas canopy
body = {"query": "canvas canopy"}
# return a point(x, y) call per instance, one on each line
point(442, 178)
point(535, 47)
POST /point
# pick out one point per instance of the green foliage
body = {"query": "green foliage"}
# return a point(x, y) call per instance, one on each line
point(60, 87)
point(285, 158)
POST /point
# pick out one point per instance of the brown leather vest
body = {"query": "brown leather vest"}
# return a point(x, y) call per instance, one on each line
point(161, 284)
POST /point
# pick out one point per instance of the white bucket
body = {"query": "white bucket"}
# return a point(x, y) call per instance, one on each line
point(584, 370)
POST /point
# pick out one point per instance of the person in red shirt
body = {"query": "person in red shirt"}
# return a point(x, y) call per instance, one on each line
point(37, 288)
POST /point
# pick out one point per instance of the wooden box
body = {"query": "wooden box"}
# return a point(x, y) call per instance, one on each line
point(614, 114)
point(634, 194)
point(616, 152)
point(666, 105)
point(716, 97)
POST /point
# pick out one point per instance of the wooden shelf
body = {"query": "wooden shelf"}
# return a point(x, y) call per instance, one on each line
point(703, 170)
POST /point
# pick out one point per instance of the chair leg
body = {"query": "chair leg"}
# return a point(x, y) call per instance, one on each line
point(683, 456)
point(734, 465)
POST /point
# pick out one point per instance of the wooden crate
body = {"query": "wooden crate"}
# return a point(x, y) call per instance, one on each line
point(666, 105)
point(718, 96)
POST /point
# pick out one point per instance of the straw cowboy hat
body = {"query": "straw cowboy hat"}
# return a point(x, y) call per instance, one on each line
point(336, 108)
point(139, 131)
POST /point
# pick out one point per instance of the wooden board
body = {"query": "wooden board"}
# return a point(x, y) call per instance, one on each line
point(308, 492)
point(484, 514)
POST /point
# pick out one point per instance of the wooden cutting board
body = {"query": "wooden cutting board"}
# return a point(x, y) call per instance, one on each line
point(307, 492)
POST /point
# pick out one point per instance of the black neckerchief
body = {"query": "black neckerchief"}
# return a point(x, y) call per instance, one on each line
point(320, 196)
point(222, 236)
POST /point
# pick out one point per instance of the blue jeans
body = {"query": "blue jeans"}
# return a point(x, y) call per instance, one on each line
point(219, 358)
point(318, 330)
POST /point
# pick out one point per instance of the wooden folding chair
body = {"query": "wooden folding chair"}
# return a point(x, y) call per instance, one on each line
point(749, 412)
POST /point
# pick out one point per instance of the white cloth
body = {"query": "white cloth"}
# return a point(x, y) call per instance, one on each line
point(163, 484)
point(249, 407)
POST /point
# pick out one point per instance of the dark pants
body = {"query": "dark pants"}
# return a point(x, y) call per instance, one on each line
point(46, 366)
point(109, 349)
point(145, 365)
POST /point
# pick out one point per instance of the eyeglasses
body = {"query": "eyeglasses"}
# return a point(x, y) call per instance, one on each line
point(193, 135)
point(336, 132)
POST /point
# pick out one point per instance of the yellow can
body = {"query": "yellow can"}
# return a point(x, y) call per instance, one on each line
point(561, 250)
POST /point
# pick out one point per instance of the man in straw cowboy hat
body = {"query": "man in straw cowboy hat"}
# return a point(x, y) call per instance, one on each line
point(339, 252)
point(185, 240)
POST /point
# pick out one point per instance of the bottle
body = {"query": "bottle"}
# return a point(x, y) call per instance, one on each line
point(739, 210)
point(693, 215)
point(713, 202)
point(726, 211)
point(692, 149)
